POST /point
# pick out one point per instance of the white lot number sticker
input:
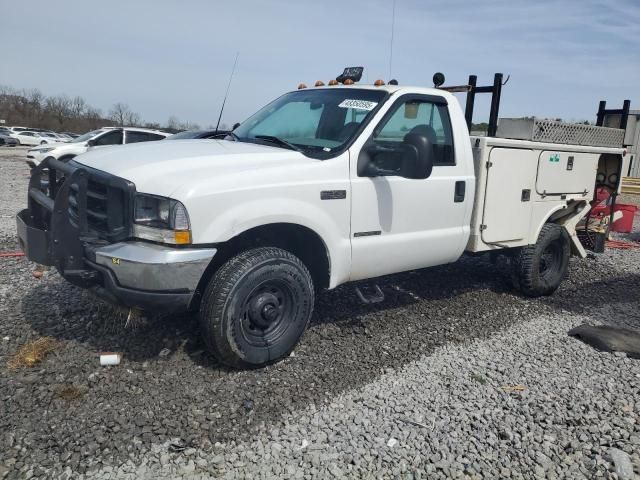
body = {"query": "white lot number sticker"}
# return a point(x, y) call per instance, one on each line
point(358, 104)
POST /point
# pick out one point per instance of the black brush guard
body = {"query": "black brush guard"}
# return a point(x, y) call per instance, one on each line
point(72, 210)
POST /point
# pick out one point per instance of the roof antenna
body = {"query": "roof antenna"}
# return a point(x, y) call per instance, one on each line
point(393, 22)
point(227, 92)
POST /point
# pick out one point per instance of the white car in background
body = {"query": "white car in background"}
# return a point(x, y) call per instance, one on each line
point(55, 137)
point(34, 138)
point(102, 137)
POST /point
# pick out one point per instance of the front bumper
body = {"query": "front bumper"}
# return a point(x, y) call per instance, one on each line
point(132, 274)
point(59, 229)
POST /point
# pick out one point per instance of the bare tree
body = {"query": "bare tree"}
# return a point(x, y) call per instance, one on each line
point(59, 108)
point(93, 118)
point(78, 107)
point(173, 123)
point(120, 113)
point(188, 126)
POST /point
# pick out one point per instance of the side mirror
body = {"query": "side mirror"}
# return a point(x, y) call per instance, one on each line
point(413, 158)
point(235, 125)
point(417, 161)
point(91, 143)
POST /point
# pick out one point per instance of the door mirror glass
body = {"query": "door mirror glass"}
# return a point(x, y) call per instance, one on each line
point(91, 143)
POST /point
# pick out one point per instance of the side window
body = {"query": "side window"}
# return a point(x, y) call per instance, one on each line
point(427, 118)
point(27, 134)
point(113, 137)
point(137, 137)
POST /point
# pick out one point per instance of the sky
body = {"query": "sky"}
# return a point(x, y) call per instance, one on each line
point(165, 57)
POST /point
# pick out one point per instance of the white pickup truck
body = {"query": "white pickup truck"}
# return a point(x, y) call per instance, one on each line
point(323, 186)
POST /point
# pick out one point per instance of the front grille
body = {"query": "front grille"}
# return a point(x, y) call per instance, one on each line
point(105, 210)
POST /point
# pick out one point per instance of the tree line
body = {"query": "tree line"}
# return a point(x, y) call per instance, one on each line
point(61, 113)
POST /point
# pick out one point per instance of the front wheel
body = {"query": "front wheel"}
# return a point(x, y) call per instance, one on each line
point(540, 268)
point(43, 143)
point(256, 307)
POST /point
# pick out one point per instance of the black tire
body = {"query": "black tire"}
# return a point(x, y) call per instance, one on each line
point(539, 269)
point(43, 143)
point(256, 307)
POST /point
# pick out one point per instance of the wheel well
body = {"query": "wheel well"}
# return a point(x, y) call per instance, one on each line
point(301, 241)
point(66, 158)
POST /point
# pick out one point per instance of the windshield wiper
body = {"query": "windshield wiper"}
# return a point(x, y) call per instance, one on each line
point(235, 137)
point(279, 141)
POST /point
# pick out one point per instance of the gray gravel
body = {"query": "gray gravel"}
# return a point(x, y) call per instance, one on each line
point(14, 175)
point(427, 383)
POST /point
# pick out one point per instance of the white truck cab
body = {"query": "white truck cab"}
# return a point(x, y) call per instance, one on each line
point(323, 186)
point(101, 137)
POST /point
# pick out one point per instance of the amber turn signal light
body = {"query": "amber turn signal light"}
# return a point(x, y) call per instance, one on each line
point(182, 237)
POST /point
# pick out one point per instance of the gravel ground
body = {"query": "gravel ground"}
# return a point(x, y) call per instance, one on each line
point(14, 175)
point(452, 376)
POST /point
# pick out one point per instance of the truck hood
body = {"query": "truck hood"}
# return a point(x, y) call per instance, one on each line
point(161, 167)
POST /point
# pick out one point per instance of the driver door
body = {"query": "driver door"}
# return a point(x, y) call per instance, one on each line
point(400, 224)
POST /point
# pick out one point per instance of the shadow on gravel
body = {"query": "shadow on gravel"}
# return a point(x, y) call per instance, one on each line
point(188, 395)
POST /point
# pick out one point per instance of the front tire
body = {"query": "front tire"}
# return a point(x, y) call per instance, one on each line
point(256, 307)
point(540, 268)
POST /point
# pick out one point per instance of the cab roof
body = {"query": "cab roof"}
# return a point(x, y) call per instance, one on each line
point(391, 89)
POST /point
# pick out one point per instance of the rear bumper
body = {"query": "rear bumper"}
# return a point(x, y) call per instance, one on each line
point(132, 274)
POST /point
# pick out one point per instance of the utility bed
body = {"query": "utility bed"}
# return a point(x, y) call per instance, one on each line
point(518, 182)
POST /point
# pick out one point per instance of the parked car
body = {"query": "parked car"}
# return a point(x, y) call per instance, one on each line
point(33, 138)
point(191, 134)
point(56, 138)
point(7, 140)
point(71, 134)
point(95, 139)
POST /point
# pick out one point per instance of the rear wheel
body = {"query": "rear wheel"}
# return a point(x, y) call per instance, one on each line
point(256, 307)
point(539, 269)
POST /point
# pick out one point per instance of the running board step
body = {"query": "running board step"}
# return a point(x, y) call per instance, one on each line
point(369, 294)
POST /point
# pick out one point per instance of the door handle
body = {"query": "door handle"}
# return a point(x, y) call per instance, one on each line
point(458, 195)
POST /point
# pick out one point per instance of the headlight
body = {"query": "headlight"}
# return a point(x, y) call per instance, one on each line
point(161, 219)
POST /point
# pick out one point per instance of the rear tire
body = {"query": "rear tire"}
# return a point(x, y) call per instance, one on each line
point(256, 307)
point(540, 268)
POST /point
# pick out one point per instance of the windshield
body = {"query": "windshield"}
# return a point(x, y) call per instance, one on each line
point(87, 136)
point(322, 120)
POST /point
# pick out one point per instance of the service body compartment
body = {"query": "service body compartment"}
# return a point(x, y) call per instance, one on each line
point(561, 172)
point(507, 203)
point(555, 176)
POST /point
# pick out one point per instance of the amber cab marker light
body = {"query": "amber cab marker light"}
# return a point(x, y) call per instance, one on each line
point(301, 86)
point(348, 81)
point(333, 82)
point(319, 83)
point(378, 83)
point(182, 237)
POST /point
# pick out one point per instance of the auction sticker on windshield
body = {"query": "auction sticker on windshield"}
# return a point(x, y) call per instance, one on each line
point(358, 104)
